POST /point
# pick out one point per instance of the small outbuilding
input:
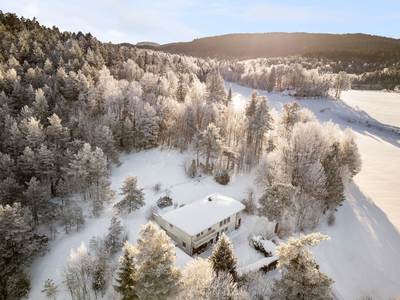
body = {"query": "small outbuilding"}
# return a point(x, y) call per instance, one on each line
point(200, 223)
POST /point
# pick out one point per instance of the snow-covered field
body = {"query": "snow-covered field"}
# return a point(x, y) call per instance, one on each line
point(363, 256)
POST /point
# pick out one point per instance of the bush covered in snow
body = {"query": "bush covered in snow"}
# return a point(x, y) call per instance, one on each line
point(164, 202)
point(265, 247)
point(222, 176)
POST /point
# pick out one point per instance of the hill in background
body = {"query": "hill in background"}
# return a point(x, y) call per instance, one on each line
point(248, 46)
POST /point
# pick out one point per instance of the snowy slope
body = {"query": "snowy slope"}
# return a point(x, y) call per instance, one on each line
point(363, 256)
point(379, 146)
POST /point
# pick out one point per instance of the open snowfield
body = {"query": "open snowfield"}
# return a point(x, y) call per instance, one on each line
point(363, 256)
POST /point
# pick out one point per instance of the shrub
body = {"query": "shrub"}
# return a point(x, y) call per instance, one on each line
point(258, 245)
point(331, 218)
point(164, 202)
point(271, 266)
point(249, 201)
point(222, 176)
point(149, 212)
point(157, 188)
point(192, 172)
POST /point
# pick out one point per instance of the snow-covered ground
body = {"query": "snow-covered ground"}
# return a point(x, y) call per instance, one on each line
point(363, 256)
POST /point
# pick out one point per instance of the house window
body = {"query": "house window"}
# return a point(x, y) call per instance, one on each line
point(209, 229)
point(170, 225)
point(225, 221)
point(220, 223)
point(226, 229)
point(183, 244)
point(202, 233)
point(198, 235)
point(229, 219)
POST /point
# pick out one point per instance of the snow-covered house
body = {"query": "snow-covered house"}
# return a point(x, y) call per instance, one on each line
point(202, 222)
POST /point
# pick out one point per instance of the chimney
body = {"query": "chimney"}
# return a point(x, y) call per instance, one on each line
point(209, 199)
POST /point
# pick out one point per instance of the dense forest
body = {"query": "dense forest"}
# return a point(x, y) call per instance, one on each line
point(70, 105)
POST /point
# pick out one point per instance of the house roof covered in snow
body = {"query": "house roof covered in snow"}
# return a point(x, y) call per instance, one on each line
point(201, 214)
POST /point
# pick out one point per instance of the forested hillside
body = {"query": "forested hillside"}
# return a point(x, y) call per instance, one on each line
point(70, 105)
point(333, 46)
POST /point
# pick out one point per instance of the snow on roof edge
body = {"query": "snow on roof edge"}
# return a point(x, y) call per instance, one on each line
point(190, 218)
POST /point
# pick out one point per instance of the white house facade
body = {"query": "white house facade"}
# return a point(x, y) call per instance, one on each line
point(200, 223)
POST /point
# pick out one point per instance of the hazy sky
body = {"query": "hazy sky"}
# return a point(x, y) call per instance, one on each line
point(184, 20)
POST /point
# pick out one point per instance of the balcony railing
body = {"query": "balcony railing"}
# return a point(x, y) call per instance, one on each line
point(204, 238)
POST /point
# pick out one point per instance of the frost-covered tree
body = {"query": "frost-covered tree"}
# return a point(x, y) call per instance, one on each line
point(181, 90)
point(38, 200)
point(229, 96)
point(100, 193)
point(289, 114)
point(156, 275)
point(301, 277)
point(56, 134)
point(113, 240)
point(334, 181)
point(201, 282)
point(50, 289)
point(16, 251)
point(196, 279)
point(76, 273)
point(133, 196)
point(126, 273)
point(341, 83)
point(277, 203)
point(104, 139)
point(349, 154)
point(224, 287)
point(223, 258)
point(271, 80)
point(215, 87)
point(147, 131)
point(10, 191)
point(210, 144)
point(87, 168)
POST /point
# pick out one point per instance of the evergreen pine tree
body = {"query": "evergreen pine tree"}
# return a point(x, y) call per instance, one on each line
point(334, 184)
point(215, 87)
point(147, 128)
point(210, 144)
point(271, 80)
point(277, 202)
point(38, 200)
point(301, 278)
point(10, 191)
point(134, 197)
point(223, 258)
point(50, 289)
point(156, 276)
point(113, 239)
point(181, 90)
point(229, 97)
point(126, 273)
point(16, 251)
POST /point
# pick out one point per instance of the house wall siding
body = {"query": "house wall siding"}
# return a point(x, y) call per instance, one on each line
point(180, 236)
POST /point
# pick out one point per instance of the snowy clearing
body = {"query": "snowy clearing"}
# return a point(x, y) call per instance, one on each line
point(363, 255)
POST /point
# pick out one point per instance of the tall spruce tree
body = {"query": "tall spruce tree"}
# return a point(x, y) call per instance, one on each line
point(156, 275)
point(133, 196)
point(16, 251)
point(126, 273)
point(301, 277)
point(277, 203)
point(334, 184)
point(223, 258)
